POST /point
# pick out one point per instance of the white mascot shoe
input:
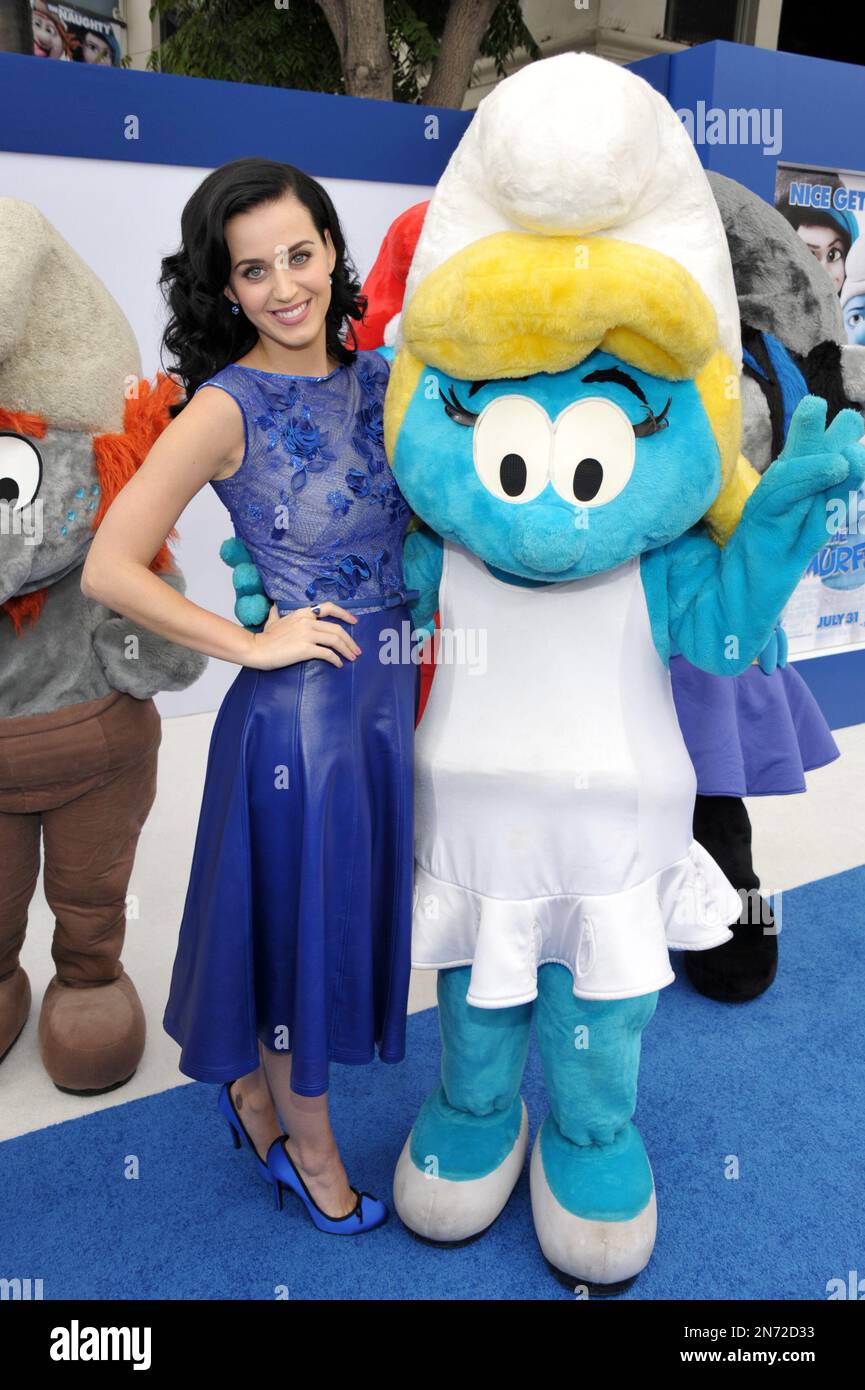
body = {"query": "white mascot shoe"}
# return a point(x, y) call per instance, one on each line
point(450, 1212)
point(606, 1256)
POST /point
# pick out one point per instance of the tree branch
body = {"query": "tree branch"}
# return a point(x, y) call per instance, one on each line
point(465, 26)
point(361, 36)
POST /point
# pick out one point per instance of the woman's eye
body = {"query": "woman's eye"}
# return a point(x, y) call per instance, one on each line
point(593, 452)
point(511, 440)
point(20, 470)
point(247, 274)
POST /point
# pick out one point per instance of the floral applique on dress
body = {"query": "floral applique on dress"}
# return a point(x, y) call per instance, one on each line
point(314, 500)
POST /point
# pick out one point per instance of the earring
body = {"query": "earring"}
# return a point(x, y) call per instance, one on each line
point(330, 278)
point(235, 308)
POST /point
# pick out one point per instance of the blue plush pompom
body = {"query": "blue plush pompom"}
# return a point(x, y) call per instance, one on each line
point(247, 580)
point(252, 609)
point(234, 552)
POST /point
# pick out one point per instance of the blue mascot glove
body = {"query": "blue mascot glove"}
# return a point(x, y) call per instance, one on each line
point(252, 605)
point(775, 651)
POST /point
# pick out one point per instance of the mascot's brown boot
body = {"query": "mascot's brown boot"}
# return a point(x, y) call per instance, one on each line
point(91, 1037)
point(15, 999)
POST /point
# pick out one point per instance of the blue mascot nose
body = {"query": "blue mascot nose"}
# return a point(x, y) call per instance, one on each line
point(547, 539)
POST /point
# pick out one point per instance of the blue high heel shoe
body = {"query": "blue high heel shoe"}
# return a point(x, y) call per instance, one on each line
point(367, 1213)
point(227, 1108)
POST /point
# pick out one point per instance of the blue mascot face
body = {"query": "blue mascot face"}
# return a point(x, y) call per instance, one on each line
point(854, 319)
point(556, 477)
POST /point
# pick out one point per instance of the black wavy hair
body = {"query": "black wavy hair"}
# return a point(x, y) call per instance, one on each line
point(202, 334)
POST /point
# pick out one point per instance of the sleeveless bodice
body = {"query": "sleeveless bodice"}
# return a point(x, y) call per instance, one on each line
point(314, 500)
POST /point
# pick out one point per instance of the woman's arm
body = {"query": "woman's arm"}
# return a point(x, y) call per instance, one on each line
point(205, 439)
point(195, 446)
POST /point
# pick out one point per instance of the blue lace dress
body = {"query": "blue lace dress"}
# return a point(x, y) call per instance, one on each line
point(297, 924)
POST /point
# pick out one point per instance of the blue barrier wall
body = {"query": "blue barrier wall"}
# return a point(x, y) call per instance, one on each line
point(74, 109)
point(822, 104)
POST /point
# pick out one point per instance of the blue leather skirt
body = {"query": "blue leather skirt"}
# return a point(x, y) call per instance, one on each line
point(297, 923)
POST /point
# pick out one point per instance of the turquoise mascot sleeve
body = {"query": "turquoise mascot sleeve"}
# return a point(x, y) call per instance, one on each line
point(421, 564)
point(774, 654)
point(719, 607)
point(422, 569)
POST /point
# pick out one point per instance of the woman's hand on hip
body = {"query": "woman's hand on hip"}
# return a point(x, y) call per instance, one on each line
point(301, 636)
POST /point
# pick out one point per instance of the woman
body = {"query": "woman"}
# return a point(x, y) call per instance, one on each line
point(294, 946)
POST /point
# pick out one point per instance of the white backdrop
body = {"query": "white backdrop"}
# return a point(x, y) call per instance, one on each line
point(122, 219)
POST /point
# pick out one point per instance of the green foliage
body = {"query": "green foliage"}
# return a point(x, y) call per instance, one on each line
point(413, 34)
point(254, 41)
point(251, 41)
point(506, 35)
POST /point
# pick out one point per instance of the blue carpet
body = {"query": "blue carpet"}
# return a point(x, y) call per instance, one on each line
point(777, 1083)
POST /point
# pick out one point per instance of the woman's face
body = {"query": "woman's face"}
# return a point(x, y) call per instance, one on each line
point(280, 265)
point(827, 246)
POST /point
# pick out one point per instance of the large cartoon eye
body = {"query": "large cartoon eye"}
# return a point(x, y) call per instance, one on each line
point(593, 452)
point(512, 440)
point(20, 469)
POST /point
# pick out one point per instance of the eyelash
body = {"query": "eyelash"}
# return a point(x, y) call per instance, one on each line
point(652, 422)
point(650, 425)
point(457, 411)
point(246, 273)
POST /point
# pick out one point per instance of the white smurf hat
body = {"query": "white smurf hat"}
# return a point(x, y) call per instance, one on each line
point(575, 147)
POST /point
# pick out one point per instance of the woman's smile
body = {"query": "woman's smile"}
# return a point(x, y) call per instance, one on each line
point(294, 315)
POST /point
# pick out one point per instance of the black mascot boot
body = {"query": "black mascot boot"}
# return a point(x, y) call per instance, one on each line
point(743, 968)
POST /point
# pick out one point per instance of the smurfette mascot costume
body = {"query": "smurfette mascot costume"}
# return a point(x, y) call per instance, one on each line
point(563, 415)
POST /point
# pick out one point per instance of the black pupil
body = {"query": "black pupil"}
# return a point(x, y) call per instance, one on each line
point(588, 476)
point(8, 490)
point(513, 474)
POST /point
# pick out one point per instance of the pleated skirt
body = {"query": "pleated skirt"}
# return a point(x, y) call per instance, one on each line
point(296, 929)
point(752, 734)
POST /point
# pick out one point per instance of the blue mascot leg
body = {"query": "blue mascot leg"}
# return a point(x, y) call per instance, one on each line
point(593, 1197)
point(468, 1144)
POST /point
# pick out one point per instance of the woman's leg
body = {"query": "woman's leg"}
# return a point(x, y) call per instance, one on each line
point(311, 1145)
point(254, 1104)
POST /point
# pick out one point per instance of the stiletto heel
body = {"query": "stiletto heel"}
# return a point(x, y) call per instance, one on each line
point(368, 1211)
point(238, 1129)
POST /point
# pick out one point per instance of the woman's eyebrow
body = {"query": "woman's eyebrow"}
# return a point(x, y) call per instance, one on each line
point(259, 260)
point(622, 378)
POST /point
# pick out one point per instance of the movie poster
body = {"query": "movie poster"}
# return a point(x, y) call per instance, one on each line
point(77, 33)
point(826, 207)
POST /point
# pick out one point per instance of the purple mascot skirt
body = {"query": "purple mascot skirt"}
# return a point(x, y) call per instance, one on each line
point(752, 734)
point(297, 923)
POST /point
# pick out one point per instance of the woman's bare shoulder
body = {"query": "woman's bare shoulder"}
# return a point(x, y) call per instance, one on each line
point(216, 418)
